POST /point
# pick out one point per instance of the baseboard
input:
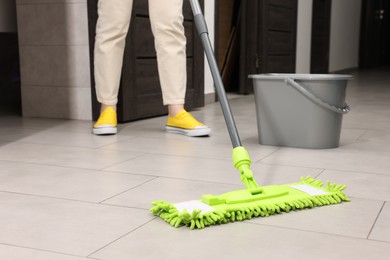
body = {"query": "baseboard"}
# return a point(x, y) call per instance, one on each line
point(345, 71)
point(209, 98)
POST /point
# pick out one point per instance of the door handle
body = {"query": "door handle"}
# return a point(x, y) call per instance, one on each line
point(380, 14)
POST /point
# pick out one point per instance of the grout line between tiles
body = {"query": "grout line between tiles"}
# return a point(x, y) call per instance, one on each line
point(102, 202)
point(67, 167)
point(292, 166)
point(68, 146)
point(266, 156)
point(311, 231)
point(360, 136)
point(328, 169)
point(47, 251)
point(321, 171)
point(376, 219)
point(141, 154)
point(69, 200)
point(131, 231)
point(78, 168)
point(163, 154)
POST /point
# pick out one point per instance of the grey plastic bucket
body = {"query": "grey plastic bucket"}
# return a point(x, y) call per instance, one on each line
point(300, 110)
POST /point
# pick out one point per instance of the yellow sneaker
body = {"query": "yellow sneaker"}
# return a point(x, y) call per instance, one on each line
point(185, 123)
point(107, 123)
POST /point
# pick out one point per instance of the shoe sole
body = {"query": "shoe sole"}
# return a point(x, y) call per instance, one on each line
point(105, 130)
point(189, 132)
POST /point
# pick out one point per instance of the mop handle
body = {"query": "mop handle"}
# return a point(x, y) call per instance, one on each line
point(202, 30)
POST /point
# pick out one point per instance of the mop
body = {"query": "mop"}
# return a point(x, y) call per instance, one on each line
point(254, 200)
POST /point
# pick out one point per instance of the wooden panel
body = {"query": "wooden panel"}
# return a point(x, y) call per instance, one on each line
point(279, 42)
point(268, 39)
point(224, 20)
point(278, 34)
point(280, 18)
point(10, 97)
point(250, 30)
point(375, 34)
point(140, 7)
point(191, 41)
point(284, 3)
point(147, 77)
point(144, 42)
point(9, 56)
point(319, 58)
point(280, 64)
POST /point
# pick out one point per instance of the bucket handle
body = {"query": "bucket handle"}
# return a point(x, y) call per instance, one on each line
point(342, 110)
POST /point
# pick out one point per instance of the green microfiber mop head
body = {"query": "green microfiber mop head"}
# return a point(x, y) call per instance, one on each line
point(254, 201)
point(307, 193)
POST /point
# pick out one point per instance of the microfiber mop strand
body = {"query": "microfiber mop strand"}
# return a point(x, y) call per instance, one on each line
point(225, 213)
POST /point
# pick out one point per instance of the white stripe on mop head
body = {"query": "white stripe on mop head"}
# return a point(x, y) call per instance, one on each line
point(192, 205)
point(312, 191)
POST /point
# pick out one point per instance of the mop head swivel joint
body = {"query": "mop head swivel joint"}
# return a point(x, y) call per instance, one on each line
point(254, 201)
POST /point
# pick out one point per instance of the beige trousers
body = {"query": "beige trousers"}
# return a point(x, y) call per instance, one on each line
point(166, 17)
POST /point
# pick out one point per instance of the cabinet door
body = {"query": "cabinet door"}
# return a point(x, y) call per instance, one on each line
point(320, 36)
point(375, 34)
point(268, 37)
point(140, 92)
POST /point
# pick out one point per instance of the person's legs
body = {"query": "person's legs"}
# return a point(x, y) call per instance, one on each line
point(170, 43)
point(111, 31)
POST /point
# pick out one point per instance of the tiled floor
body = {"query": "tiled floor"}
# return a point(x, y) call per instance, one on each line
point(68, 195)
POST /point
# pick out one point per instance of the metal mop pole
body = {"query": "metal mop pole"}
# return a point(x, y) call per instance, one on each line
point(201, 27)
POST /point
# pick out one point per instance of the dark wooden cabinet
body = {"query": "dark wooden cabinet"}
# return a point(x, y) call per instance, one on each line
point(140, 92)
point(320, 36)
point(268, 39)
point(375, 34)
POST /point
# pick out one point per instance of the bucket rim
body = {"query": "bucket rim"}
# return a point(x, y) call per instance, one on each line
point(283, 76)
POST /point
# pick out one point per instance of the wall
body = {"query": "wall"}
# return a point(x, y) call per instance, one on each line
point(304, 36)
point(209, 13)
point(7, 16)
point(54, 58)
point(345, 33)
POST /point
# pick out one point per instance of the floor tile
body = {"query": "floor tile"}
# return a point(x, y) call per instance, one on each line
point(63, 156)
point(348, 135)
point(195, 147)
point(372, 140)
point(358, 184)
point(68, 227)
point(177, 190)
point(368, 117)
point(381, 230)
point(352, 219)
point(170, 190)
point(20, 253)
point(35, 123)
point(66, 183)
point(236, 241)
point(335, 159)
point(60, 138)
point(212, 170)
point(180, 167)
